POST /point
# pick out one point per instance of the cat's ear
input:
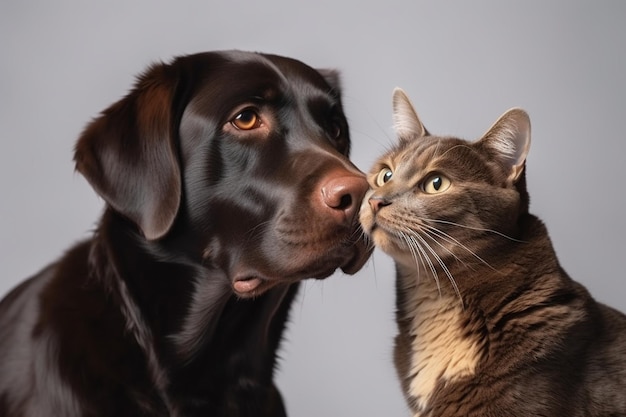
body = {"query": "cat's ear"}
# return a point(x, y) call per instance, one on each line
point(509, 140)
point(406, 123)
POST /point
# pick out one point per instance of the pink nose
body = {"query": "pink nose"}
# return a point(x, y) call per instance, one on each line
point(343, 195)
point(376, 203)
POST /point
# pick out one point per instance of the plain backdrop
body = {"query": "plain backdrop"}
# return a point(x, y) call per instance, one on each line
point(463, 64)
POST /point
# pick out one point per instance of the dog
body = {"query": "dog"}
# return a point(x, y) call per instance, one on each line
point(226, 181)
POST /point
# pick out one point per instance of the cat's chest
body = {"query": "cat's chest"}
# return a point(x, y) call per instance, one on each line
point(440, 349)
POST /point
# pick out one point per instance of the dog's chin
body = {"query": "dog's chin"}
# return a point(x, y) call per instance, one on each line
point(362, 252)
point(253, 284)
point(250, 282)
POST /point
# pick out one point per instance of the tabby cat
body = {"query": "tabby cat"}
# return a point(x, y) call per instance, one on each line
point(489, 323)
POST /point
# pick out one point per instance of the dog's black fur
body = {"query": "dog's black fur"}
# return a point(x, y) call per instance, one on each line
point(226, 181)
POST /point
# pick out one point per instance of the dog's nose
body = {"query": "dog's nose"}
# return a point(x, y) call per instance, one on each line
point(343, 195)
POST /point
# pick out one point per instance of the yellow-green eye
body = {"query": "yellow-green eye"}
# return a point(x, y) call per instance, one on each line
point(436, 183)
point(247, 120)
point(383, 176)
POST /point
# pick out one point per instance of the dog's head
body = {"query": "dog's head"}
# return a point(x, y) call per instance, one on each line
point(239, 158)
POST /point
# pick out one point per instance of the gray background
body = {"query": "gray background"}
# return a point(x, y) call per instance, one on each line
point(462, 63)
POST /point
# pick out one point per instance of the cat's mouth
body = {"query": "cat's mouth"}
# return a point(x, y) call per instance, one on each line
point(382, 231)
point(382, 236)
point(389, 242)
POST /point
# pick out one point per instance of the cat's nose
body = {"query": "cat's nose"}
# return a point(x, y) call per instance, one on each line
point(376, 203)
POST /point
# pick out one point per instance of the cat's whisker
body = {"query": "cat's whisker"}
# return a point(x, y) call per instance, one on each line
point(433, 232)
point(480, 229)
point(441, 263)
point(450, 239)
point(424, 256)
point(461, 245)
point(417, 239)
point(415, 252)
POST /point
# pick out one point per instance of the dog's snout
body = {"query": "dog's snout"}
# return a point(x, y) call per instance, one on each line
point(343, 195)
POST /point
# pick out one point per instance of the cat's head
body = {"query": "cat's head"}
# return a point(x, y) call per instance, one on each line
point(440, 198)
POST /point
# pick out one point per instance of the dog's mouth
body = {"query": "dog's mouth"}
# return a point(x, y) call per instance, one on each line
point(251, 282)
point(247, 285)
point(354, 264)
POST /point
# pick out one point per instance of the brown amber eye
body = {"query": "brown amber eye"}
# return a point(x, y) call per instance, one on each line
point(335, 130)
point(246, 120)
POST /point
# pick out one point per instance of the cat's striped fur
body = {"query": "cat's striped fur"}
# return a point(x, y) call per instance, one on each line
point(489, 323)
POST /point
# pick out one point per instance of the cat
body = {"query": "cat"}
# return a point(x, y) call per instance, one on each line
point(489, 323)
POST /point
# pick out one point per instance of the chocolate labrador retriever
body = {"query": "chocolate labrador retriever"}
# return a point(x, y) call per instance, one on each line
point(226, 181)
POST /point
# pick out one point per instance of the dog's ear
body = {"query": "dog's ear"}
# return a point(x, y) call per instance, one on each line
point(332, 77)
point(129, 155)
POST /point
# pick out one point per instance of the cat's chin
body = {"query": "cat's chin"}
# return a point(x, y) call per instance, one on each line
point(402, 258)
point(397, 250)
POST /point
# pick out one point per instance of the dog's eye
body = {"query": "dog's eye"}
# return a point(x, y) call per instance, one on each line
point(247, 120)
point(335, 130)
point(338, 135)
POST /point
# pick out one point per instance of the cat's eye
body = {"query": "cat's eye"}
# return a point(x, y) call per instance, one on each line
point(247, 119)
point(436, 183)
point(383, 176)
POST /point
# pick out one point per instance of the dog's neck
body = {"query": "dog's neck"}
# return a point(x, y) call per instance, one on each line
point(184, 337)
